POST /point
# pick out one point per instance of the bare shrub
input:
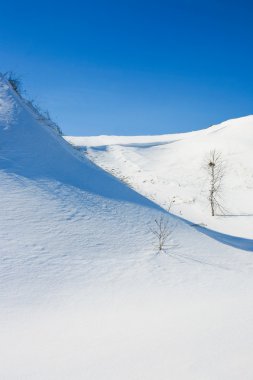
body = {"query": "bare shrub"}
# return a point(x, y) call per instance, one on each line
point(171, 203)
point(15, 81)
point(41, 115)
point(162, 232)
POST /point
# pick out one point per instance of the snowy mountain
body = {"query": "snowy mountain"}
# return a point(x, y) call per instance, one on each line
point(83, 292)
point(170, 170)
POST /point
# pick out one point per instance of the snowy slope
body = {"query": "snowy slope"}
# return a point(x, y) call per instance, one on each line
point(83, 294)
point(57, 203)
point(170, 168)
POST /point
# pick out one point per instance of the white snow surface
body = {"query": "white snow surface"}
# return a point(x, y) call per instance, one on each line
point(83, 295)
point(170, 169)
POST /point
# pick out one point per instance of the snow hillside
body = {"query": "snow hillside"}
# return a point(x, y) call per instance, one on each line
point(82, 292)
point(170, 171)
point(56, 202)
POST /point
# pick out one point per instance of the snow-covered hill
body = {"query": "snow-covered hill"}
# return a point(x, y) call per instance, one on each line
point(57, 206)
point(82, 292)
point(169, 169)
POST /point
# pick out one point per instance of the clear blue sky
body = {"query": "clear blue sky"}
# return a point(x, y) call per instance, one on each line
point(132, 67)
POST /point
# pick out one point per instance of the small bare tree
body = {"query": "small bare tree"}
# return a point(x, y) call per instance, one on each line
point(161, 232)
point(171, 203)
point(215, 168)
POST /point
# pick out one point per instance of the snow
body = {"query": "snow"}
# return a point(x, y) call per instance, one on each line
point(171, 169)
point(83, 293)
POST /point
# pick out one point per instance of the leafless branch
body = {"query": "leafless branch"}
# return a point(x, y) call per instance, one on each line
point(162, 232)
point(215, 168)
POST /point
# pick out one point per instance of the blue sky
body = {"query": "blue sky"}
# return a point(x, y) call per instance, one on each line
point(132, 67)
